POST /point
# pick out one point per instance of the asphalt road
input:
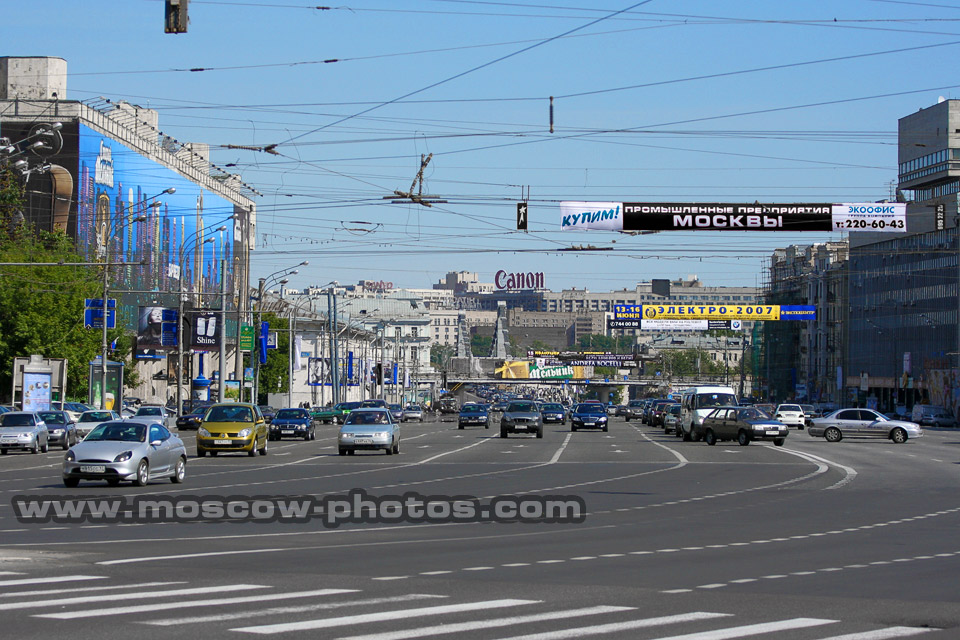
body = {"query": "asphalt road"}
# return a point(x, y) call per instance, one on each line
point(853, 540)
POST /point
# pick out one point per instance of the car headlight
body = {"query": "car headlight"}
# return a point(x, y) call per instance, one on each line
point(244, 433)
point(602, 419)
point(346, 435)
point(507, 419)
point(56, 432)
point(123, 457)
point(70, 457)
point(381, 434)
point(203, 432)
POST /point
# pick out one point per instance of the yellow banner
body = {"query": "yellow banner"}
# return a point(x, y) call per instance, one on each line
point(517, 369)
point(710, 312)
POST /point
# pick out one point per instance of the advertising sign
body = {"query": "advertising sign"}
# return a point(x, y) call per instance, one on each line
point(723, 216)
point(157, 328)
point(36, 391)
point(246, 337)
point(317, 369)
point(93, 313)
point(727, 312)
point(585, 359)
point(205, 328)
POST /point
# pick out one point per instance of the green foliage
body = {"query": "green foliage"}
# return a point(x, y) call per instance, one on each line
point(275, 374)
point(540, 345)
point(41, 308)
point(480, 345)
point(440, 355)
point(515, 350)
point(597, 342)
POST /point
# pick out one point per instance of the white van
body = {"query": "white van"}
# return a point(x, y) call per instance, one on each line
point(697, 402)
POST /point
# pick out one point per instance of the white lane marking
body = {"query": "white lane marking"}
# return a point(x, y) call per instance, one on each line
point(615, 627)
point(752, 629)
point(33, 604)
point(190, 555)
point(163, 606)
point(11, 573)
point(434, 573)
point(441, 629)
point(559, 452)
point(447, 453)
point(882, 634)
point(21, 581)
point(849, 472)
point(327, 623)
point(388, 578)
point(50, 592)
point(323, 606)
point(478, 569)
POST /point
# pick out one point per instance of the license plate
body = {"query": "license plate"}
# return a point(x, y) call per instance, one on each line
point(773, 433)
point(93, 468)
point(363, 441)
point(221, 442)
point(287, 432)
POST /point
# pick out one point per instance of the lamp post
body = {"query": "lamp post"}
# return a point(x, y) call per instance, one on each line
point(274, 278)
point(293, 329)
point(180, 311)
point(104, 347)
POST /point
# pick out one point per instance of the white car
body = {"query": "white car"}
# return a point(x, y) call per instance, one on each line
point(791, 415)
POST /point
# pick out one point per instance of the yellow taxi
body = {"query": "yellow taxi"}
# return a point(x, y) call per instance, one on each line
point(232, 427)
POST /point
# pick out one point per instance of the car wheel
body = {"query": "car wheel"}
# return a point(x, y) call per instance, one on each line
point(503, 433)
point(343, 452)
point(143, 474)
point(45, 447)
point(70, 483)
point(213, 454)
point(113, 482)
point(460, 427)
point(687, 437)
point(832, 435)
point(66, 444)
point(3, 452)
point(179, 471)
point(389, 450)
point(710, 437)
point(487, 425)
point(540, 432)
point(626, 419)
point(350, 452)
point(606, 427)
point(898, 435)
point(263, 451)
point(742, 438)
point(779, 441)
point(396, 448)
point(572, 428)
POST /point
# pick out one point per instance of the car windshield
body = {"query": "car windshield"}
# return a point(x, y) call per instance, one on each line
point(396, 407)
point(412, 407)
point(119, 431)
point(52, 417)
point(790, 407)
point(292, 413)
point(550, 406)
point(472, 408)
point(16, 420)
point(675, 409)
point(752, 413)
point(715, 399)
point(226, 413)
point(367, 417)
point(521, 407)
point(590, 408)
point(149, 411)
point(96, 416)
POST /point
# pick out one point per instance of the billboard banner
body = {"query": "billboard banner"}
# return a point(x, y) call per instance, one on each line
point(675, 325)
point(728, 312)
point(721, 216)
point(583, 359)
point(157, 329)
point(205, 330)
point(36, 391)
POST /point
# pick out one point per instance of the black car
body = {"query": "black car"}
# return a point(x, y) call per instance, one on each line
point(553, 412)
point(191, 419)
point(473, 415)
point(295, 423)
point(589, 416)
point(268, 412)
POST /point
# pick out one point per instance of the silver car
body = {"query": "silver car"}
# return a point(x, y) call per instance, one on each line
point(123, 450)
point(369, 429)
point(413, 412)
point(23, 430)
point(862, 423)
point(61, 430)
point(90, 420)
point(521, 416)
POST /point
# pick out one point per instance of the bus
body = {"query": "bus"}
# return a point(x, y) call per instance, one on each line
point(697, 402)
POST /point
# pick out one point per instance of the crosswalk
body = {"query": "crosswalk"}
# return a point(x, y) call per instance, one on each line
point(262, 609)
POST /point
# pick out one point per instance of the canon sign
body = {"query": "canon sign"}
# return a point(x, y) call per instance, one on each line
point(529, 280)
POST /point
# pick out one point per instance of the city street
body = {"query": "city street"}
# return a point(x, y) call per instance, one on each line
point(811, 540)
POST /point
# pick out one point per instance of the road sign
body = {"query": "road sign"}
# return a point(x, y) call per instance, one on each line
point(93, 313)
point(521, 216)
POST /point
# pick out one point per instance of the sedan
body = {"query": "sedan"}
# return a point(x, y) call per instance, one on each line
point(124, 450)
point(791, 415)
point(863, 423)
point(192, 419)
point(292, 422)
point(61, 430)
point(90, 420)
point(589, 415)
point(521, 416)
point(553, 412)
point(369, 429)
point(743, 424)
point(473, 415)
point(671, 420)
point(232, 427)
point(396, 412)
point(412, 412)
point(23, 430)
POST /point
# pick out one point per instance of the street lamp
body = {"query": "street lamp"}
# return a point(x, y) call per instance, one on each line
point(104, 347)
point(293, 328)
point(277, 277)
point(180, 312)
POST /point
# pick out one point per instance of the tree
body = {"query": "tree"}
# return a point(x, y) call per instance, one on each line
point(440, 355)
point(480, 345)
point(41, 307)
point(275, 373)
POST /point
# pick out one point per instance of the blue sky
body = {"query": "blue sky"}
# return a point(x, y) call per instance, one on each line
point(672, 101)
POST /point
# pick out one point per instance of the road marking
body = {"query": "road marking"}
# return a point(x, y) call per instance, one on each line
point(388, 578)
point(440, 455)
point(32, 604)
point(477, 568)
point(164, 606)
point(441, 629)
point(50, 592)
point(882, 634)
point(323, 606)
point(559, 452)
point(327, 623)
point(12, 573)
point(21, 581)
point(434, 573)
point(752, 629)
point(615, 627)
point(850, 472)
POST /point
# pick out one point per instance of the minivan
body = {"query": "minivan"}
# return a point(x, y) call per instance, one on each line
point(697, 402)
point(932, 415)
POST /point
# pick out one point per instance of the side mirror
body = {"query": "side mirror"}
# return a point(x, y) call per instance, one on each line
point(156, 443)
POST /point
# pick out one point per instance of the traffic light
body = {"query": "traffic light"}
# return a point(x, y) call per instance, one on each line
point(175, 16)
point(379, 370)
